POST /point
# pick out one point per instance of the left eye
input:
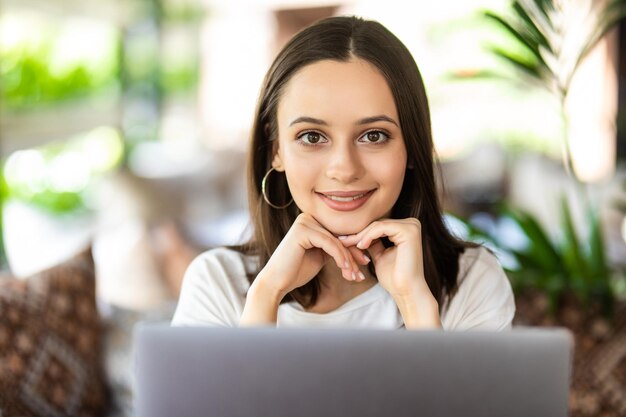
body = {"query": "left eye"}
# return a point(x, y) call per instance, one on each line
point(375, 136)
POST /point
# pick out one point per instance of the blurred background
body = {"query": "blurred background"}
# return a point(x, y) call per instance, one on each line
point(125, 123)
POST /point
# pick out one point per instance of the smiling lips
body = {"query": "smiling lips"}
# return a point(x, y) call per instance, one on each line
point(345, 200)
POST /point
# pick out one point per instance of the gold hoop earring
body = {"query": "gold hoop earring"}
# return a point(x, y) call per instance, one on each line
point(265, 194)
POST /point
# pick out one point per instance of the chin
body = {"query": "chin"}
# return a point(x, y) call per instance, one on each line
point(345, 227)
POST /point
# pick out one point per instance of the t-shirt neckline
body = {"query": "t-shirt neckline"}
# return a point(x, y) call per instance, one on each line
point(366, 297)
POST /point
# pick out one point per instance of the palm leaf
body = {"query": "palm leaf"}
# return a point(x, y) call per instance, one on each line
point(545, 7)
point(524, 37)
point(597, 258)
point(577, 268)
point(538, 35)
point(528, 261)
point(526, 66)
point(542, 251)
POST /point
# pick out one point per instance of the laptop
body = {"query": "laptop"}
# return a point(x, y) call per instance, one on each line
point(286, 372)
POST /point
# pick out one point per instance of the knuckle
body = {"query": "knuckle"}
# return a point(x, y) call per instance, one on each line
point(323, 240)
point(416, 223)
point(298, 226)
point(303, 217)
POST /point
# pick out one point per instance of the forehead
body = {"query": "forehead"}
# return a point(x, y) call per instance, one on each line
point(336, 92)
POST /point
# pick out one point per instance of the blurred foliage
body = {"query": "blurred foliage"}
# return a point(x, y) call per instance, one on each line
point(520, 141)
point(545, 41)
point(186, 12)
point(53, 201)
point(179, 77)
point(56, 177)
point(44, 62)
point(557, 266)
point(41, 64)
point(28, 82)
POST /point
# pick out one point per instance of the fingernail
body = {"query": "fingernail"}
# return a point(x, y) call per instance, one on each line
point(361, 276)
point(358, 245)
point(353, 276)
point(346, 264)
point(342, 237)
point(366, 258)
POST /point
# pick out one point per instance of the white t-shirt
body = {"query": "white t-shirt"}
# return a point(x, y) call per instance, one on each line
point(215, 285)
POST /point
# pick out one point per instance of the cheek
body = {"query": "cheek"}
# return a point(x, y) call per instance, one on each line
point(388, 171)
point(397, 174)
point(393, 179)
point(302, 173)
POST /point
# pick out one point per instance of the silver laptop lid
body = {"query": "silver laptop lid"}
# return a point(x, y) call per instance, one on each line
point(226, 372)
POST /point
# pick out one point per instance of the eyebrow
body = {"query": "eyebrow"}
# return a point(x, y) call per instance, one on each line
point(306, 119)
point(364, 121)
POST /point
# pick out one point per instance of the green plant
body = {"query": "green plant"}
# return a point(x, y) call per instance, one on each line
point(561, 265)
point(546, 41)
point(31, 80)
point(56, 177)
point(29, 83)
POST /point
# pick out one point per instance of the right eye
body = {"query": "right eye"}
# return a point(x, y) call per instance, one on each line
point(311, 138)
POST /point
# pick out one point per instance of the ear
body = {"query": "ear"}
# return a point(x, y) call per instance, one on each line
point(277, 161)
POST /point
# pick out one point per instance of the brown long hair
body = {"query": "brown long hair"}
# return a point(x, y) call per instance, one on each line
point(340, 39)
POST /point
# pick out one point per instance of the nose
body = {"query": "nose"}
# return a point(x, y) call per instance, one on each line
point(344, 163)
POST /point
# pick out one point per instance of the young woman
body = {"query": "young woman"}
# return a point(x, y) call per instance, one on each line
point(348, 230)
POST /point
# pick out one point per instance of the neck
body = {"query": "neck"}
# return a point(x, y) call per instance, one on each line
point(334, 285)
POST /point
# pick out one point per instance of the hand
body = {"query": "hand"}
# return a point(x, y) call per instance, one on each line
point(302, 253)
point(400, 268)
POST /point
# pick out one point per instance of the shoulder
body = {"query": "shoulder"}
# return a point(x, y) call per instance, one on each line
point(214, 289)
point(475, 262)
point(484, 298)
point(222, 255)
point(221, 266)
point(480, 272)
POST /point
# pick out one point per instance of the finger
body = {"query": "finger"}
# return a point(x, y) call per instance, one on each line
point(368, 235)
point(330, 245)
point(353, 274)
point(376, 249)
point(354, 265)
point(325, 243)
point(397, 231)
point(359, 256)
point(349, 240)
point(352, 240)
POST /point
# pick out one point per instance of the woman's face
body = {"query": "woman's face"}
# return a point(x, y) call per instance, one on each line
point(340, 144)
